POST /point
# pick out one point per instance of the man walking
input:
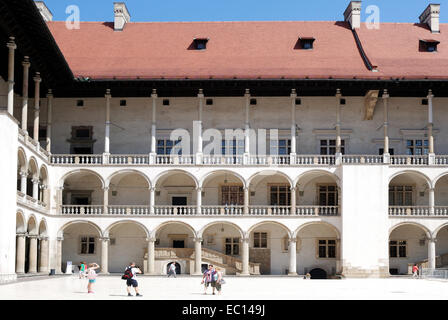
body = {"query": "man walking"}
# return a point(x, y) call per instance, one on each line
point(132, 281)
point(172, 270)
point(209, 279)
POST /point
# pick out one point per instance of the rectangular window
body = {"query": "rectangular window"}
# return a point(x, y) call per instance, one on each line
point(280, 147)
point(232, 195)
point(232, 147)
point(401, 195)
point(398, 248)
point(326, 248)
point(260, 240)
point(328, 147)
point(232, 246)
point(328, 195)
point(165, 147)
point(280, 195)
point(87, 245)
point(417, 147)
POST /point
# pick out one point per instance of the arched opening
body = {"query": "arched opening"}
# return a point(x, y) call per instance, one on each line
point(269, 193)
point(31, 246)
point(442, 247)
point(178, 267)
point(176, 193)
point(22, 170)
point(81, 244)
point(268, 246)
point(127, 244)
point(174, 242)
point(441, 196)
point(318, 273)
point(409, 194)
point(21, 229)
point(32, 179)
point(318, 193)
point(129, 191)
point(82, 193)
point(318, 248)
point(408, 245)
point(222, 193)
point(43, 195)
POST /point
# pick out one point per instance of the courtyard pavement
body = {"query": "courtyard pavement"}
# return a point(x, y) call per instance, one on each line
point(236, 288)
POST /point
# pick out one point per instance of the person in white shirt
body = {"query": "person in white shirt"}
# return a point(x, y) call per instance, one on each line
point(172, 270)
point(132, 282)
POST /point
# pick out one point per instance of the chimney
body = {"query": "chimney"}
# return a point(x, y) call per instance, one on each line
point(121, 16)
point(44, 11)
point(352, 14)
point(431, 17)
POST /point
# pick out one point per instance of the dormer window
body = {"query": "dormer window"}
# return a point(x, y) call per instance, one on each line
point(428, 45)
point(306, 43)
point(200, 43)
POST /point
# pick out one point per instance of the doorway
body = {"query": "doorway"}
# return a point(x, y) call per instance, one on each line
point(177, 267)
point(179, 201)
point(178, 243)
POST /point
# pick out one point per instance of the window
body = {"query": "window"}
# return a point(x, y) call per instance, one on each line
point(298, 101)
point(232, 246)
point(328, 195)
point(80, 103)
point(123, 103)
point(305, 43)
point(166, 102)
point(200, 44)
point(260, 240)
point(428, 45)
point(209, 102)
point(328, 147)
point(424, 102)
point(280, 147)
point(397, 248)
point(326, 248)
point(210, 238)
point(87, 245)
point(342, 101)
point(232, 147)
point(280, 195)
point(401, 195)
point(232, 195)
point(381, 151)
point(165, 147)
point(82, 140)
point(417, 147)
point(253, 102)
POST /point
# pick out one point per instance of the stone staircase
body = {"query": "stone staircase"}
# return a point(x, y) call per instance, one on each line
point(441, 263)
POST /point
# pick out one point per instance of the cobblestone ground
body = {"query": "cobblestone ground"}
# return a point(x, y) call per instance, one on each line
point(236, 288)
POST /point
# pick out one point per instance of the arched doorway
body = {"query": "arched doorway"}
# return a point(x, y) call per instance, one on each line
point(318, 273)
point(178, 267)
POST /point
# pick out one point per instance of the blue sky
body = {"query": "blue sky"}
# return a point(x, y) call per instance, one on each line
point(242, 10)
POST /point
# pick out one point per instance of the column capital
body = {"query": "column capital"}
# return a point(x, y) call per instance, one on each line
point(35, 180)
point(338, 93)
point(26, 62)
point(60, 238)
point(37, 78)
point(290, 240)
point(33, 236)
point(151, 239)
point(11, 43)
point(199, 189)
point(104, 239)
point(293, 93)
point(152, 189)
point(293, 188)
point(430, 95)
point(198, 239)
point(50, 93)
point(247, 93)
point(108, 94)
point(244, 240)
point(201, 94)
point(23, 174)
point(22, 235)
point(431, 239)
point(106, 188)
point(385, 94)
point(154, 93)
point(44, 238)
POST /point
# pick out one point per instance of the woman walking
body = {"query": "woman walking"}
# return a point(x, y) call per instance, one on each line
point(219, 280)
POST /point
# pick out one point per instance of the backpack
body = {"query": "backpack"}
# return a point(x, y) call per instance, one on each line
point(127, 274)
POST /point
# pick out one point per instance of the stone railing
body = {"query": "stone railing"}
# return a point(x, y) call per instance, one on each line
point(175, 160)
point(222, 160)
point(31, 202)
point(230, 261)
point(271, 160)
point(441, 160)
point(175, 210)
point(77, 159)
point(33, 145)
point(222, 210)
point(409, 160)
point(173, 253)
point(81, 210)
point(362, 159)
point(269, 210)
point(410, 211)
point(315, 160)
point(317, 210)
point(139, 159)
point(128, 210)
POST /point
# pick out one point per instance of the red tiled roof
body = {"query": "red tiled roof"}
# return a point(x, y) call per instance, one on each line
point(247, 50)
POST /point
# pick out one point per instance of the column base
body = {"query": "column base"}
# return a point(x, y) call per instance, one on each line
point(292, 274)
point(104, 273)
point(6, 278)
point(243, 274)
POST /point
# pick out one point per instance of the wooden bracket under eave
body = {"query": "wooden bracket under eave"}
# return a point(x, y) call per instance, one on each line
point(370, 101)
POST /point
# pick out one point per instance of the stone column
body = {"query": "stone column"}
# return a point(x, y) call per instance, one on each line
point(199, 153)
point(12, 47)
point(197, 256)
point(199, 200)
point(37, 81)
point(292, 256)
point(107, 125)
point(245, 256)
point(247, 128)
point(386, 155)
point(151, 255)
point(153, 154)
point(152, 200)
point(432, 253)
point(430, 128)
point(44, 254)
point(338, 257)
point(26, 71)
point(431, 201)
point(23, 178)
point(338, 127)
point(105, 200)
point(59, 255)
point(20, 253)
point(33, 254)
point(105, 255)
point(293, 126)
point(35, 188)
point(246, 200)
point(49, 118)
point(293, 200)
point(60, 200)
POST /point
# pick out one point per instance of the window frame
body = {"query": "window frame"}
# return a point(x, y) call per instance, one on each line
point(80, 242)
point(254, 240)
point(398, 244)
point(327, 245)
